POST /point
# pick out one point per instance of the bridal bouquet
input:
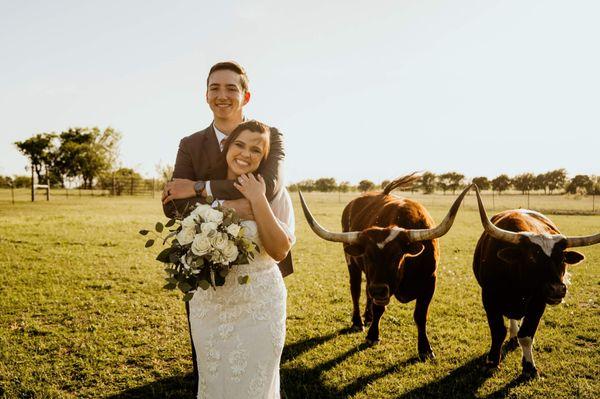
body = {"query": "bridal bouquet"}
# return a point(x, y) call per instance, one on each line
point(204, 247)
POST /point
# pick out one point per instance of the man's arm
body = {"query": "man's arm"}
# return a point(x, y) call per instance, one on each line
point(271, 171)
point(184, 169)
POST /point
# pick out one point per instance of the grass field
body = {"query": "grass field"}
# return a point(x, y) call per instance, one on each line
point(83, 315)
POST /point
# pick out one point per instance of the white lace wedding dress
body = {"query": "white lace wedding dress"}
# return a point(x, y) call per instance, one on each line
point(239, 329)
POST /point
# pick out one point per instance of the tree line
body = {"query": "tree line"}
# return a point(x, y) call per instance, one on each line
point(87, 157)
point(552, 182)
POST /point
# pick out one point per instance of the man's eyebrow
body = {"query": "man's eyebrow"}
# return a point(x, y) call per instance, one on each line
point(231, 85)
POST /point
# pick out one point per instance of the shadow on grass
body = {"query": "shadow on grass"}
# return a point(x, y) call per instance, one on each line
point(180, 387)
point(306, 383)
point(462, 382)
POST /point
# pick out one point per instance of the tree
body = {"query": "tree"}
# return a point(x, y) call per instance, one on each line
point(325, 184)
point(384, 183)
point(344, 187)
point(165, 172)
point(6, 181)
point(450, 181)
point(556, 179)
point(427, 183)
point(39, 150)
point(580, 183)
point(541, 182)
point(22, 181)
point(306, 185)
point(524, 182)
point(123, 180)
point(501, 183)
point(482, 182)
point(456, 181)
point(365, 185)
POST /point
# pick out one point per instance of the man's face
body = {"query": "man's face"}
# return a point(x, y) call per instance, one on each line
point(225, 96)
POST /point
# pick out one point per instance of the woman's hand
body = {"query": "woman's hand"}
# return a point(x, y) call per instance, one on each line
point(251, 187)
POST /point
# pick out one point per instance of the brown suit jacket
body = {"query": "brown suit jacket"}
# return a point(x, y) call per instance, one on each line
point(198, 159)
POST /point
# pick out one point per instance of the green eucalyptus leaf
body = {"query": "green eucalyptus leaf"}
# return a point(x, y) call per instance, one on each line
point(188, 296)
point(204, 284)
point(144, 232)
point(159, 227)
point(163, 256)
point(170, 286)
point(170, 223)
point(149, 243)
point(243, 279)
point(184, 286)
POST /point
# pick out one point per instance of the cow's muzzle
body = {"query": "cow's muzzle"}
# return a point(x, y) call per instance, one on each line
point(380, 293)
point(555, 293)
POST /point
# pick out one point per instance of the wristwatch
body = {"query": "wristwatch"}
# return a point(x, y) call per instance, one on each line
point(199, 186)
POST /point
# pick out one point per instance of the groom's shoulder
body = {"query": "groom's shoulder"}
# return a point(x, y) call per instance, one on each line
point(196, 138)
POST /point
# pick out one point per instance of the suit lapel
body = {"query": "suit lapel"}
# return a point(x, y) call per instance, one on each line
point(211, 150)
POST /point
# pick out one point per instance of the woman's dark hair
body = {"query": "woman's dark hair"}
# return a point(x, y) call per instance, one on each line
point(251, 125)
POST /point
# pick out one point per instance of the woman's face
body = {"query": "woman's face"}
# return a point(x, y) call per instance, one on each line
point(246, 152)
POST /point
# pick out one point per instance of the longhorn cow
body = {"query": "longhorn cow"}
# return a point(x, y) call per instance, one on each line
point(393, 240)
point(520, 263)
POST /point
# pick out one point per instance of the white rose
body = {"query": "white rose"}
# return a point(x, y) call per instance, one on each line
point(219, 241)
point(201, 210)
point(213, 215)
point(201, 245)
point(207, 227)
point(230, 252)
point(249, 229)
point(233, 229)
point(189, 221)
point(186, 235)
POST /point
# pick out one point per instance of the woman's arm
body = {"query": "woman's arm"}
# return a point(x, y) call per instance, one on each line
point(273, 237)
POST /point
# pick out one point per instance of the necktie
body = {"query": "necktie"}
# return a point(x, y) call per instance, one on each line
point(222, 143)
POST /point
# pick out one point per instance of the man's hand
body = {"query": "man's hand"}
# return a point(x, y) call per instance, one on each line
point(242, 208)
point(178, 189)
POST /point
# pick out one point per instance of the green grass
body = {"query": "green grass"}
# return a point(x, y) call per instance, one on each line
point(83, 315)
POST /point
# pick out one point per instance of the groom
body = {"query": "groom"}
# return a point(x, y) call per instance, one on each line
point(197, 158)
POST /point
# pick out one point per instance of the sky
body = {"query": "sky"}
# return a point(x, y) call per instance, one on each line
point(360, 89)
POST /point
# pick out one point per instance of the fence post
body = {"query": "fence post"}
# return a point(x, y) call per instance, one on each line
point(12, 193)
point(493, 202)
point(528, 207)
point(47, 186)
point(131, 187)
point(153, 187)
point(32, 185)
point(593, 202)
point(113, 189)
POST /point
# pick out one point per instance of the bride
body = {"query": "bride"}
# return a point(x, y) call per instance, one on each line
point(239, 329)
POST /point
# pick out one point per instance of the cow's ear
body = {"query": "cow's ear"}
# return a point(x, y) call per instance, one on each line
point(414, 249)
point(354, 249)
point(573, 257)
point(509, 255)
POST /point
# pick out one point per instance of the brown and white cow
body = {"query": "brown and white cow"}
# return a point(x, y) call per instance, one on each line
point(520, 263)
point(392, 240)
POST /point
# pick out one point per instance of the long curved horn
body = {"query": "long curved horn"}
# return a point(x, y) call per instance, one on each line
point(443, 227)
point(494, 231)
point(348, 238)
point(583, 241)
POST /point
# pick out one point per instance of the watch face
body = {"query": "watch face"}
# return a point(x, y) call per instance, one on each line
point(198, 186)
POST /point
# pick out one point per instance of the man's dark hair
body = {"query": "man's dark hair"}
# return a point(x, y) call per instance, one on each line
point(231, 66)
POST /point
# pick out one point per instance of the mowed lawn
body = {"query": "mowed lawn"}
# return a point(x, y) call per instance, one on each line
point(83, 315)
